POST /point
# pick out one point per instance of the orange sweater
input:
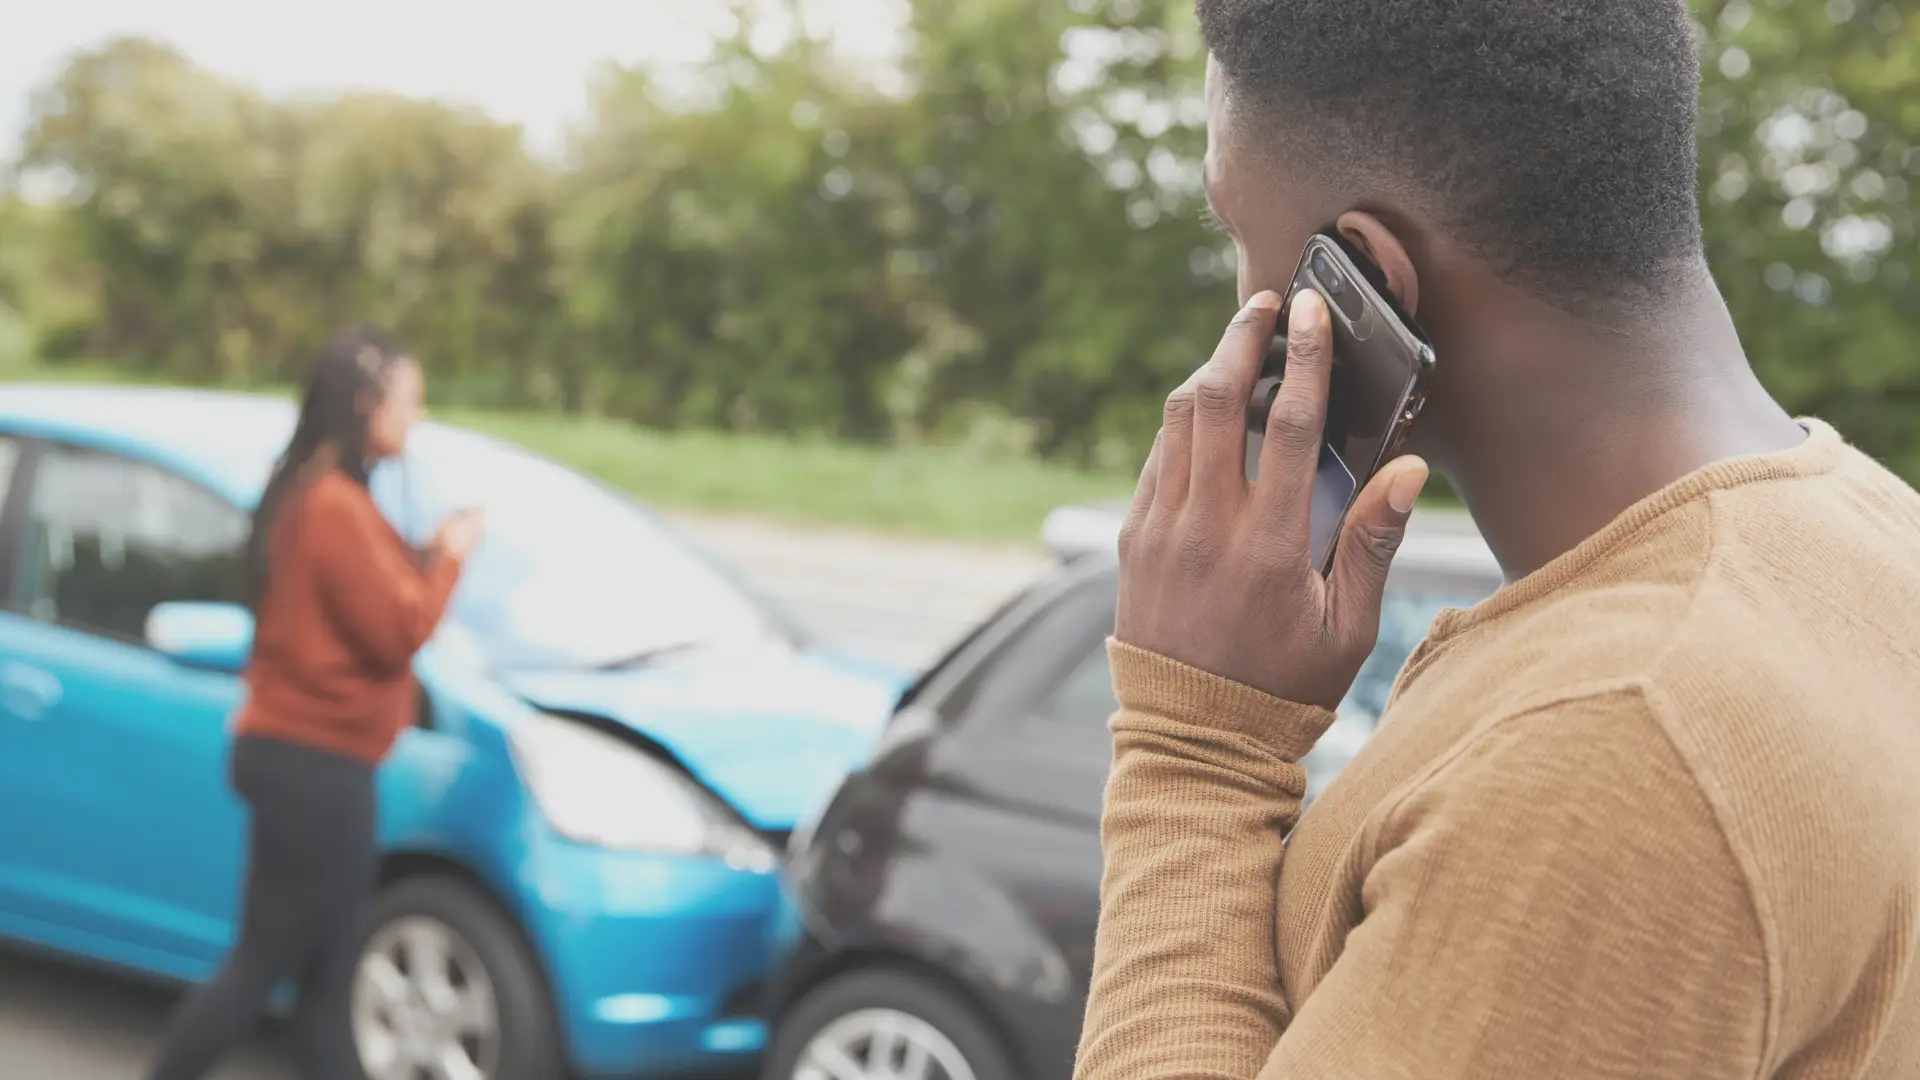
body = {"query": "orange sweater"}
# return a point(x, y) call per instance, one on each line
point(345, 611)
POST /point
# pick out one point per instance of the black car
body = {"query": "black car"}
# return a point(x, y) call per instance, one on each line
point(949, 892)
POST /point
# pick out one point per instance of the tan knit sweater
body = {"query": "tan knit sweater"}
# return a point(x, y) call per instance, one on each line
point(1653, 811)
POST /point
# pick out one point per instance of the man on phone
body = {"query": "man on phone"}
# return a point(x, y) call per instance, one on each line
point(1653, 810)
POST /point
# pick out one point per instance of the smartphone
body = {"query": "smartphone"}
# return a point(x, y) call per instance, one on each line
point(1382, 363)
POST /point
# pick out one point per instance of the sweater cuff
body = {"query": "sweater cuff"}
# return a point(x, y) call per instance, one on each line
point(1154, 685)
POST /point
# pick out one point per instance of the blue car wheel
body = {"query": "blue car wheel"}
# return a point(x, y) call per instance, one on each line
point(446, 988)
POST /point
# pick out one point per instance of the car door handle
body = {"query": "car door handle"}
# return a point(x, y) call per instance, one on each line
point(28, 692)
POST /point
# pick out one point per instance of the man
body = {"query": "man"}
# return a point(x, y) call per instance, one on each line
point(1653, 810)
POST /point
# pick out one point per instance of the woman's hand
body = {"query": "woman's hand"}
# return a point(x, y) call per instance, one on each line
point(1216, 572)
point(459, 533)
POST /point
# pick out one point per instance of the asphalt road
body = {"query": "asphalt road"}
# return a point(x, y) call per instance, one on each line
point(62, 1023)
point(892, 600)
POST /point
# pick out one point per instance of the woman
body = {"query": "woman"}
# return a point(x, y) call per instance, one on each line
point(341, 604)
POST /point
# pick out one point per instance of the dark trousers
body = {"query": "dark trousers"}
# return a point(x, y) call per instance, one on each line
point(310, 873)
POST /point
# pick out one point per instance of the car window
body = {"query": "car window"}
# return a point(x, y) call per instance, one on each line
point(108, 538)
point(1025, 665)
point(9, 456)
point(937, 671)
point(1086, 696)
point(1084, 701)
point(1404, 619)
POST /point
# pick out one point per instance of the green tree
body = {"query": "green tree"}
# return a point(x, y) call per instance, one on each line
point(1053, 155)
point(164, 159)
point(728, 262)
point(1008, 251)
point(230, 233)
point(1810, 142)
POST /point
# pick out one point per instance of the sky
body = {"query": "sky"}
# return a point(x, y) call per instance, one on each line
point(524, 61)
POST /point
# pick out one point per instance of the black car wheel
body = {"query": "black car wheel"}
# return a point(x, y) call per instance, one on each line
point(445, 988)
point(884, 1025)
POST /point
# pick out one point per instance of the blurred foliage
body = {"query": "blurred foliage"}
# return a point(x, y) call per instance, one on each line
point(47, 294)
point(227, 234)
point(1006, 254)
point(1810, 145)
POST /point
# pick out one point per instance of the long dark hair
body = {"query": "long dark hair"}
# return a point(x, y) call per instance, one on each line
point(347, 377)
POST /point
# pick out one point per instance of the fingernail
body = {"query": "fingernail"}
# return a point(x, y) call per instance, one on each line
point(1310, 310)
point(1265, 299)
point(1406, 487)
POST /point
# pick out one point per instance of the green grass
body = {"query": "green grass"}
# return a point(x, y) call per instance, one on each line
point(917, 492)
point(76, 371)
point(930, 493)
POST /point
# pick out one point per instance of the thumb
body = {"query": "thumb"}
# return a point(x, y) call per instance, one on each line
point(1372, 534)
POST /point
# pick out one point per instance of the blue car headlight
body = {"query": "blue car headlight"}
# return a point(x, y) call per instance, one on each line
point(596, 789)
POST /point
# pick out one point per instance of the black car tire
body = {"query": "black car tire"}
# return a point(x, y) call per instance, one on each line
point(915, 995)
point(529, 1034)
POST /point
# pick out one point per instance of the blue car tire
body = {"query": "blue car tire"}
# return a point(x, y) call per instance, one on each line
point(442, 966)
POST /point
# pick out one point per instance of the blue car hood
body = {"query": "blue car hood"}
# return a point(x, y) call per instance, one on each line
point(772, 731)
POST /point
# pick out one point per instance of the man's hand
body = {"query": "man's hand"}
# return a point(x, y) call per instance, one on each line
point(1215, 572)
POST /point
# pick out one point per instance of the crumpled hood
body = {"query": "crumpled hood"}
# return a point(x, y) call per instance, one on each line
point(770, 730)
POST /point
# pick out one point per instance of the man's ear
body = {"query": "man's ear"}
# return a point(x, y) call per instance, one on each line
point(1372, 236)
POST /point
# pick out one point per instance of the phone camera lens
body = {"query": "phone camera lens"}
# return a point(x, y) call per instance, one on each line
point(1323, 269)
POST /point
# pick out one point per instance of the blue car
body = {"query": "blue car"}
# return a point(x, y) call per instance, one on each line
point(581, 833)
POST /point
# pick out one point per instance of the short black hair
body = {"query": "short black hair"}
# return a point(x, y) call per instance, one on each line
point(1555, 138)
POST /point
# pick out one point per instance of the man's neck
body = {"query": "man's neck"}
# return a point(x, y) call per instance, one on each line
point(1573, 439)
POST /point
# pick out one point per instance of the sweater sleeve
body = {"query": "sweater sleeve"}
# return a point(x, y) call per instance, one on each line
point(384, 607)
point(1554, 899)
point(1206, 780)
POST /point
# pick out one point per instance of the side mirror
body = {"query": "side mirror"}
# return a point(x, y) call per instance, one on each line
point(213, 636)
point(1073, 531)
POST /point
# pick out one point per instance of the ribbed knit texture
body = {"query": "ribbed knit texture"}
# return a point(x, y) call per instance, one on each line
point(1650, 812)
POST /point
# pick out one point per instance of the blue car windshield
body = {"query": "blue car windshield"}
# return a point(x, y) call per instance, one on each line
point(569, 574)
